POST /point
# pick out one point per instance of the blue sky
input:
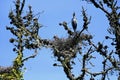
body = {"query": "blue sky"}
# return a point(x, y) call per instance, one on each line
point(54, 12)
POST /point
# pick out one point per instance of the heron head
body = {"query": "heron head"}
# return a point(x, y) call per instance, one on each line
point(73, 14)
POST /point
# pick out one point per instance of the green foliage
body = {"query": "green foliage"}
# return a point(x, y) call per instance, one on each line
point(25, 29)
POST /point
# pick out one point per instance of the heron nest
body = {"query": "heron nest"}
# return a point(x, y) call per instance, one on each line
point(68, 47)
